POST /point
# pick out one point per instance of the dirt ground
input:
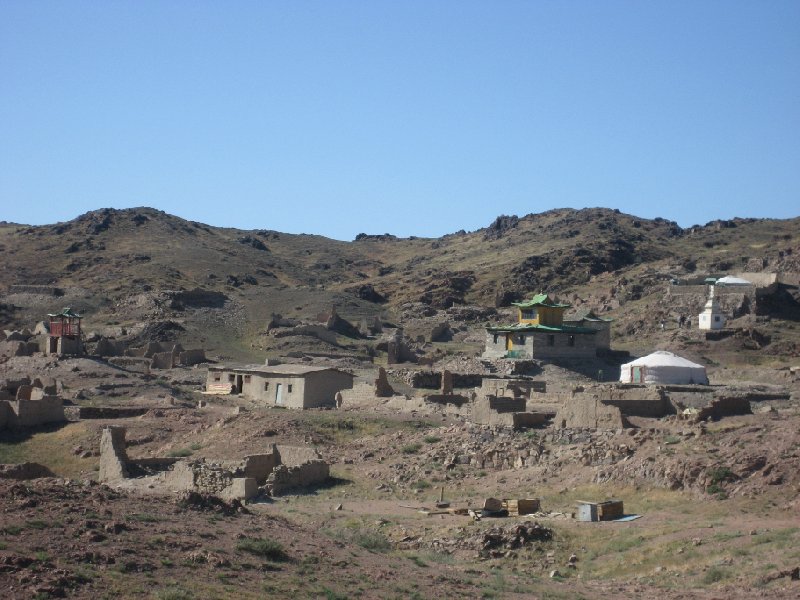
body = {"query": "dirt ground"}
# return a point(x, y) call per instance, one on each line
point(718, 504)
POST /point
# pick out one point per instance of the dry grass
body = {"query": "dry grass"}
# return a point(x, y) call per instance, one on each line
point(49, 447)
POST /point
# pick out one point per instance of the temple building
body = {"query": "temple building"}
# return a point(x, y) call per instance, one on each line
point(64, 333)
point(542, 333)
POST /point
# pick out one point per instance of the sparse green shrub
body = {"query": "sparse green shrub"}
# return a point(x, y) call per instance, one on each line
point(263, 547)
point(372, 540)
point(715, 575)
point(411, 448)
point(431, 439)
point(173, 592)
point(180, 453)
point(12, 530)
point(718, 474)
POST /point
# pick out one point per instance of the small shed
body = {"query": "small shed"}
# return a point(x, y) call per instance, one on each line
point(663, 367)
point(600, 511)
point(289, 385)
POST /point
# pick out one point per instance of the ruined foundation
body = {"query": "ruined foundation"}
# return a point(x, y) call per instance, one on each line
point(283, 469)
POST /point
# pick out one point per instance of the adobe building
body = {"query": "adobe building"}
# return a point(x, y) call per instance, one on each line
point(292, 386)
point(590, 320)
point(64, 333)
point(541, 333)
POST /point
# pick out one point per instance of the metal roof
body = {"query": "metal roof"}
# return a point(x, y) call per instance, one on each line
point(539, 300)
point(587, 315)
point(541, 328)
point(66, 312)
point(287, 369)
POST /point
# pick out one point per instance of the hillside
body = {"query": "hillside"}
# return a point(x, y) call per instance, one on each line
point(115, 266)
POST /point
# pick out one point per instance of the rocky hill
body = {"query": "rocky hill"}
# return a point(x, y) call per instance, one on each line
point(127, 266)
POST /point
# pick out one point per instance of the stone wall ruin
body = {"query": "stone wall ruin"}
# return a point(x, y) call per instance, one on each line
point(282, 469)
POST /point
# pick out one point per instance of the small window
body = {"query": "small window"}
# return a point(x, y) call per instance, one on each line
point(716, 318)
point(266, 386)
point(551, 340)
point(231, 377)
point(217, 378)
point(247, 378)
point(571, 340)
point(289, 388)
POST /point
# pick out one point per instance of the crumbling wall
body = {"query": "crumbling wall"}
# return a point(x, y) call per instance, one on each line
point(284, 478)
point(296, 455)
point(382, 387)
point(361, 394)
point(433, 380)
point(316, 331)
point(523, 420)
point(259, 466)
point(162, 360)
point(113, 457)
point(107, 347)
point(586, 411)
point(191, 357)
point(491, 386)
point(725, 406)
point(31, 413)
point(140, 365)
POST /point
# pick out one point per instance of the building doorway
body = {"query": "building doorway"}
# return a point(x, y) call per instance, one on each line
point(279, 394)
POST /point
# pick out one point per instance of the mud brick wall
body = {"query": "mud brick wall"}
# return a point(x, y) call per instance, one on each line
point(192, 357)
point(504, 404)
point(259, 466)
point(284, 479)
point(642, 408)
point(162, 360)
point(296, 455)
point(586, 411)
point(359, 395)
point(30, 413)
point(140, 365)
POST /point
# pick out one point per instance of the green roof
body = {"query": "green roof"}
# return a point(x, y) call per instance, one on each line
point(539, 300)
point(542, 328)
point(67, 312)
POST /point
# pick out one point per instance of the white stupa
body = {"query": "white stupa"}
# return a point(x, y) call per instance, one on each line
point(663, 367)
point(711, 317)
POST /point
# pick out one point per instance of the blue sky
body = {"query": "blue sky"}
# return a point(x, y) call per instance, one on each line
point(414, 117)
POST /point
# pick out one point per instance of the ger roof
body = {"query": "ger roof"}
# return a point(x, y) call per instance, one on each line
point(539, 300)
point(662, 358)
